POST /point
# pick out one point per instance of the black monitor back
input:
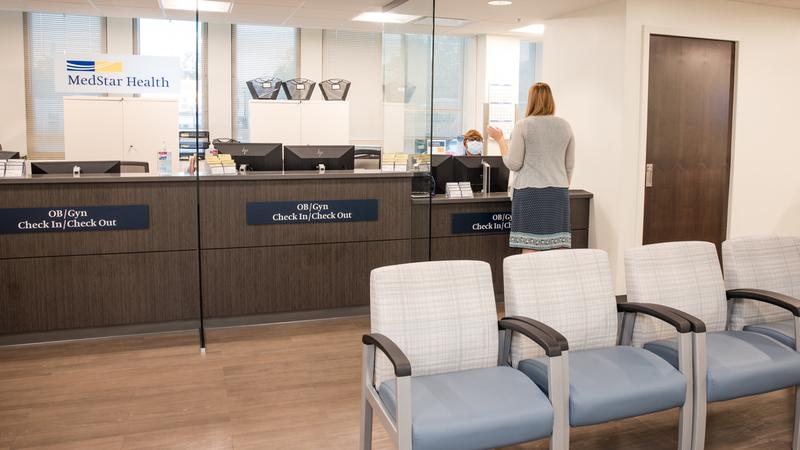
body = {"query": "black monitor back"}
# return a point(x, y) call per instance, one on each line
point(65, 167)
point(469, 168)
point(309, 157)
point(441, 171)
point(257, 157)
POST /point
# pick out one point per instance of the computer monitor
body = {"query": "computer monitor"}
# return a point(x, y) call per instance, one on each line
point(66, 167)
point(309, 157)
point(469, 168)
point(441, 171)
point(8, 155)
point(256, 157)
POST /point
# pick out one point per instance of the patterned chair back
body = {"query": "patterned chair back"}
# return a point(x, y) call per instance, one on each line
point(569, 290)
point(442, 314)
point(763, 262)
point(683, 275)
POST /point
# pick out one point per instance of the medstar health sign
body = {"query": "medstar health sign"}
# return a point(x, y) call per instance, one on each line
point(121, 74)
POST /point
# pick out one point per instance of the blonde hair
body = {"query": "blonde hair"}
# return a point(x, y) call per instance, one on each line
point(540, 101)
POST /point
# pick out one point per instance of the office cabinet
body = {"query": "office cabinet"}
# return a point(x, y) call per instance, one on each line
point(299, 123)
point(120, 128)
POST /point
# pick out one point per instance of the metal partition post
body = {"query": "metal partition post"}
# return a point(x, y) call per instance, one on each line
point(487, 177)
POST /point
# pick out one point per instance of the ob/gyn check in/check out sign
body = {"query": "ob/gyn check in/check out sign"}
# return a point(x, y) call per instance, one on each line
point(312, 211)
point(486, 222)
point(100, 73)
point(80, 218)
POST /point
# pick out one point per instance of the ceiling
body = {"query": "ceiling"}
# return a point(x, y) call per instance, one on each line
point(328, 14)
point(337, 14)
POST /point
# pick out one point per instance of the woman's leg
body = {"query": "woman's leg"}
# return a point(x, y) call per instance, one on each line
point(528, 250)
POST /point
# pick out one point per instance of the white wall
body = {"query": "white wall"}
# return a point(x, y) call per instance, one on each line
point(13, 126)
point(219, 81)
point(594, 61)
point(583, 63)
point(765, 188)
point(356, 56)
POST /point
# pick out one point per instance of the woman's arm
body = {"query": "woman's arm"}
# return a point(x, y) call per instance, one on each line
point(514, 155)
point(569, 159)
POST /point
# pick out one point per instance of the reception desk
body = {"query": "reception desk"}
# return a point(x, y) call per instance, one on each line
point(128, 258)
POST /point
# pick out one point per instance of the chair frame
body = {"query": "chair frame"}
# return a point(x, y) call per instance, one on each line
point(400, 431)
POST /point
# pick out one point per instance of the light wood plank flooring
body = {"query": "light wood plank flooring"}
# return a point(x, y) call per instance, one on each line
point(285, 386)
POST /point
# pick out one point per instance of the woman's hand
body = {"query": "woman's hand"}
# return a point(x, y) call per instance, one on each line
point(495, 133)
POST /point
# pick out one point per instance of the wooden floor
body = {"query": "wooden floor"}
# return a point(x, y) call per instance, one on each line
point(287, 386)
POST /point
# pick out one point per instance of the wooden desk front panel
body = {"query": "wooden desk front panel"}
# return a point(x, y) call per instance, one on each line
point(491, 247)
point(173, 218)
point(46, 294)
point(263, 280)
point(224, 222)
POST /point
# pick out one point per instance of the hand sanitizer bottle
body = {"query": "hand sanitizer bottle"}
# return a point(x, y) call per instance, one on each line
point(164, 160)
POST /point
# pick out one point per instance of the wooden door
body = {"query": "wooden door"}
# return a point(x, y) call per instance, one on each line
point(689, 120)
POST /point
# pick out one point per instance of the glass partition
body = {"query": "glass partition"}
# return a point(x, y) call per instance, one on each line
point(321, 171)
point(178, 168)
point(98, 217)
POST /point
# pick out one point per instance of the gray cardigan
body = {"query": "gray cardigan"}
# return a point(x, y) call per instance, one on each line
point(542, 152)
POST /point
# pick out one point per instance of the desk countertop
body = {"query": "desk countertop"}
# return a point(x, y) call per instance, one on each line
point(154, 178)
point(440, 199)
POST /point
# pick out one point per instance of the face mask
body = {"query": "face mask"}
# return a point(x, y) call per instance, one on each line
point(474, 147)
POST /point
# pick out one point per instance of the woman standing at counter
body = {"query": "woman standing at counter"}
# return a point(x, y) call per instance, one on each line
point(542, 152)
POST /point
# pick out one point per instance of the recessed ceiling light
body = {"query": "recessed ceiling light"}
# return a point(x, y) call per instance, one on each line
point(384, 17)
point(536, 28)
point(200, 5)
point(499, 2)
point(441, 22)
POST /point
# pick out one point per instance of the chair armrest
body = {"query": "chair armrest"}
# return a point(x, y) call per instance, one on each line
point(562, 340)
point(683, 322)
point(402, 366)
point(786, 302)
point(550, 344)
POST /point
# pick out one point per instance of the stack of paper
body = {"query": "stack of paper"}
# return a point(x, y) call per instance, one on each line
point(394, 162)
point(14, 168)
point(423, 162)
point(221, 164)
point(458, 190)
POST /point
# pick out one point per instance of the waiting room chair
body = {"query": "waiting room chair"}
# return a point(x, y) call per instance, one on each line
point(571, 291)
point(766, 263)
point(436, 383)
point(727, 364)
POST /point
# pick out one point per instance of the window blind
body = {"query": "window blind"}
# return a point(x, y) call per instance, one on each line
point(45, 36)
point(259, 51)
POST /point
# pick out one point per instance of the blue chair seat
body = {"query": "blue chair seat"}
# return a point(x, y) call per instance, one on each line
point(473, 409)
point(740, 363)
point(782, 331)
point(613, 383)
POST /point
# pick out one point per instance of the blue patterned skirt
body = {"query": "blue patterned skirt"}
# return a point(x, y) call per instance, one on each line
point(540, 218)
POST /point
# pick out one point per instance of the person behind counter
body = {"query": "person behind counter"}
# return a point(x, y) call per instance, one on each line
point(542, 152)
point(473, 143)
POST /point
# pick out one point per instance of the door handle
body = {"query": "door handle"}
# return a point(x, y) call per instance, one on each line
point(648, 175)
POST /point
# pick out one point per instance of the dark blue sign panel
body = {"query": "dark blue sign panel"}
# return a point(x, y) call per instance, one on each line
point(486, 222)
point(312, 211)
point(74, 218)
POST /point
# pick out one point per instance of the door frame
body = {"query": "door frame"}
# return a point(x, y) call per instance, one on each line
point(644, 84)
